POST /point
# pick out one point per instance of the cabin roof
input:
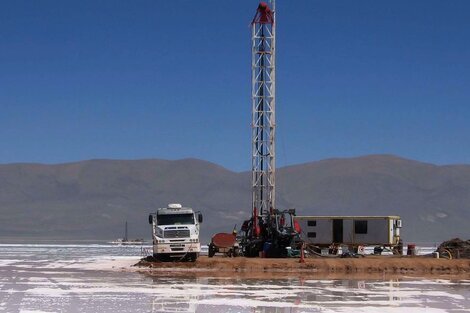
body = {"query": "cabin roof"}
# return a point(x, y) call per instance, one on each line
point(347, 217)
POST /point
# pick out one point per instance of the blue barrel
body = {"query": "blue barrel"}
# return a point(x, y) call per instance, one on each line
point(266, 247)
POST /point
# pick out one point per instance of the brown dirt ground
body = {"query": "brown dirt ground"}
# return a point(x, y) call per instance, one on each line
point(369, 267)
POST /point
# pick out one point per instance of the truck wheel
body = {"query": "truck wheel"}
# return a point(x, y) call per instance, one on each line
point(211, 251)
point(191, 257)
point(160, 257)
point(236, 252)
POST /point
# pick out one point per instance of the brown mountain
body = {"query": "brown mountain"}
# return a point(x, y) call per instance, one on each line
point(93, 199)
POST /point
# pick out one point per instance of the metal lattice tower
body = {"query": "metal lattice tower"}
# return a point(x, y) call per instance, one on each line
point(263, 115)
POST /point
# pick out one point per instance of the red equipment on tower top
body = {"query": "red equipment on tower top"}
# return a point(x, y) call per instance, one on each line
point(264, 14)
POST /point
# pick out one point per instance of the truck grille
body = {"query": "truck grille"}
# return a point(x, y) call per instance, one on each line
point(176, 233)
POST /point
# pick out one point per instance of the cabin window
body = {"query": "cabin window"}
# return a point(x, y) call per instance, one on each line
point(311, 223)
point(360, 227)
point(312, 234)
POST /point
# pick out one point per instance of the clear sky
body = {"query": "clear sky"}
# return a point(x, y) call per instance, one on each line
point(171, 79)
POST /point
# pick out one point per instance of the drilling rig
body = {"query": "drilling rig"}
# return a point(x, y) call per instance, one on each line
point(269, 231)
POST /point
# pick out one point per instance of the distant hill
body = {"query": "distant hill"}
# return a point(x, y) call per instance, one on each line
point(93, 199)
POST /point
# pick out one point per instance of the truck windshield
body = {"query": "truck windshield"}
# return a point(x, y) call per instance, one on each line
point(175, 219)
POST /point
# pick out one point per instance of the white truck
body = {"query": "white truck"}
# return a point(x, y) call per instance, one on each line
point(175, 233)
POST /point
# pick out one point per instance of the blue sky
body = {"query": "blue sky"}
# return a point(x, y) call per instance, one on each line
point(171, 79)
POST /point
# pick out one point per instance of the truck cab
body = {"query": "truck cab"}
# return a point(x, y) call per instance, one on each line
point(175, 233)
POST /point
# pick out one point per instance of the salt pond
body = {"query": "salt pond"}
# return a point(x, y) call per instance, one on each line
point(98, 278)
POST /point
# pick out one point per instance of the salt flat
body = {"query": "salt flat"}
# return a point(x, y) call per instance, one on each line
point(45, 278)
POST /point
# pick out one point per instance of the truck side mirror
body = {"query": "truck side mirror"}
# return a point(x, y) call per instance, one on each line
point(199, 218)
point(150, 219)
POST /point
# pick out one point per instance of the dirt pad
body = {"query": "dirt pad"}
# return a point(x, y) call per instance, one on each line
point(458, 248)
point(369, 266)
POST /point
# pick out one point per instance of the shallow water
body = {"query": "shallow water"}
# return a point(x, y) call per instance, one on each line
point(78, 278)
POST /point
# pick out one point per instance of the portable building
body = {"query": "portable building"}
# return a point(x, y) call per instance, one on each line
point(350, 230)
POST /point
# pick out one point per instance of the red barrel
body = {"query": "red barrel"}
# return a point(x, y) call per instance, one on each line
point(411, 249)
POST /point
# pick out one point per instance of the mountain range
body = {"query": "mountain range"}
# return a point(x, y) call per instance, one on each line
point(93, 199)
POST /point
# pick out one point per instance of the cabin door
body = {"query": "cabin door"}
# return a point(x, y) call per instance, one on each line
point(337, 231)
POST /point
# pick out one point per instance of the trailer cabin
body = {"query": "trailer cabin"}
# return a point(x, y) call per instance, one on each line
point(350, 230)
